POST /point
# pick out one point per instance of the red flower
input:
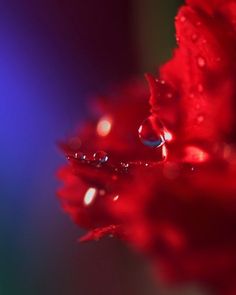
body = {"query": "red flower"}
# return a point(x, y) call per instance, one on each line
point(170, 190)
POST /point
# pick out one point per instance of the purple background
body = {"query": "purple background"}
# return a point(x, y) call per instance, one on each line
point(53, 56)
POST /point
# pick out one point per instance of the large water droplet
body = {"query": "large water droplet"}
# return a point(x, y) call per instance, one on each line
point(151, 132)
point(101, 157)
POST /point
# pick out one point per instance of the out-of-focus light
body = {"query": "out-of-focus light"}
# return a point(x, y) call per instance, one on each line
point(104, 126)
point(90, 196)
point(194, 154)
point(116, 198)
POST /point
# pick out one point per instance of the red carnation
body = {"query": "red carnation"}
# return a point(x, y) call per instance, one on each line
point(166, 184)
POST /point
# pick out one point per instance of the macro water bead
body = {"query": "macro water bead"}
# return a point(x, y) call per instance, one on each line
point(151, 132)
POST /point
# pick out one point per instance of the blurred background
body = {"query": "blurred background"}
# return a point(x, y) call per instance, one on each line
point(53, 56)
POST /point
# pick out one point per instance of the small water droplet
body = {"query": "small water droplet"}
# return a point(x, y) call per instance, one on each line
point(182, 19)
point(201, 62)
point(83, 157)
point(101, 157)
point(125, 165)
point(151, 132)
point(78, 155)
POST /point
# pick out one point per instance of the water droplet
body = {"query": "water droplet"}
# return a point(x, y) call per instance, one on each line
point(151, 132)
point(125, 165)
point(90, 196)
point(78, 155)
point(101, 157)
point(201, 62)
point(83, 157)
point(182, 19)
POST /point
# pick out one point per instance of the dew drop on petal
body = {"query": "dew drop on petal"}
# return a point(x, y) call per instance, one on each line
point(182, 19)
point(151, 132)
point(101, 157)
point(90, 196)
point(78, 155)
